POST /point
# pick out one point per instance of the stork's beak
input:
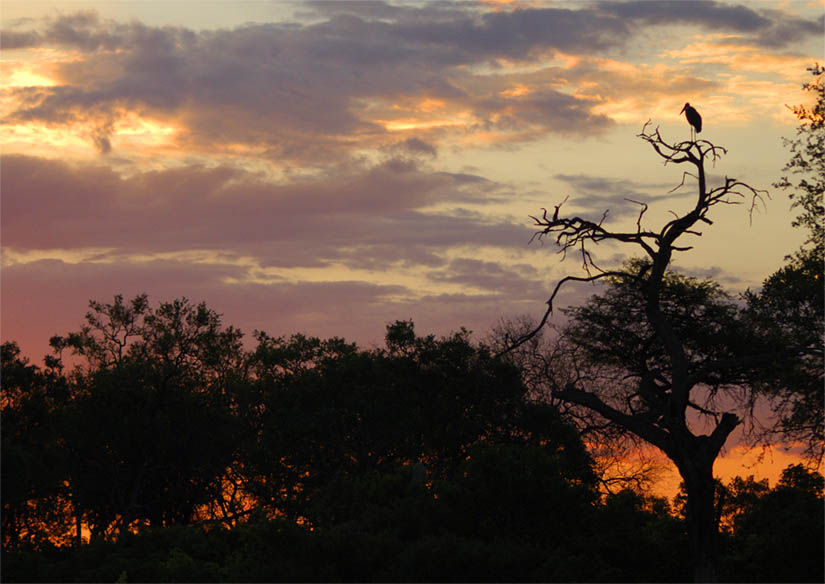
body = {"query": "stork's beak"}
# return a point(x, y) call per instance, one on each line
point(683, 108)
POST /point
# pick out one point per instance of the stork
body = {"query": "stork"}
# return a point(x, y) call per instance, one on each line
point(693, 118)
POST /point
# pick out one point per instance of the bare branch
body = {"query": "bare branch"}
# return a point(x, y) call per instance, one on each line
point(681, 184)
point(524, 338)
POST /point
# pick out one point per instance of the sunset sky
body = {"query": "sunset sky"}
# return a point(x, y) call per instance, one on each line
point(329, 167)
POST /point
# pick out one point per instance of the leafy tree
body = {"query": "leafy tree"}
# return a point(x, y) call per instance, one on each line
point(328, 412)
point(640, 539)
point(149, 429)
point(791, 304)
point(739, 496)
point(808, 162)
point(657, 349)
point(34, 497)
point(778, 533)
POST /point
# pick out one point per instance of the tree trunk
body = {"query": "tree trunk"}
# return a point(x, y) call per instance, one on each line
point(703, 526)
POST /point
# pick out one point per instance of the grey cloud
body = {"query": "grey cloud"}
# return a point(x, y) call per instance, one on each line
point(366, 216)
point(452, 34)
point(772, 28)
point(714, 273)
point(32, 312)
point(713, 15)
point(785, 31)
point(298, 91)
point(464, 178)
point(292, 87)
point(13, 39)
point(493, 277)
point(540, 111)
point(415, 146)
point(358, 311)
point(596, 194)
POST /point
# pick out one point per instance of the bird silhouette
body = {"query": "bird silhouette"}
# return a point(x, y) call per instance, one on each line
point(693, 118)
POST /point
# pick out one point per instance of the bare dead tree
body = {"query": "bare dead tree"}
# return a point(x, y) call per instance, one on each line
point(665, 376)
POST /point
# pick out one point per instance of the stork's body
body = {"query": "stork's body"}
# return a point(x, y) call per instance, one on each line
point(693, 118)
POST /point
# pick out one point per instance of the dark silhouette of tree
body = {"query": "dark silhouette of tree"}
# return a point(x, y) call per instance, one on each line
point(190, 459)
point(327, 412)
point(149, 428)
point(657, 346)
point(777, 535)
point(641, 539)
point(791, 303)
point(33, 458)
point(618, 460)
point(808, 162)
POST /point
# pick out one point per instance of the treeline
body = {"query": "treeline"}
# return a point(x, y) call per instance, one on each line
point(153, 447)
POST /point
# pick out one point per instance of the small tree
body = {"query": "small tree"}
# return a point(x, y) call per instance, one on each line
point(657, 345)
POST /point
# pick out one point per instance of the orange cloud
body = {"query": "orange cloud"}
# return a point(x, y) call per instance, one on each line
point(740, 57)
point(137, 132)
point(34, 67)
point(417, 113)
point(39, 139)
point(518, 91)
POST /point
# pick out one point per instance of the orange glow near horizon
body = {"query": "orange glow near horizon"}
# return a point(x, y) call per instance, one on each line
point(741, 461)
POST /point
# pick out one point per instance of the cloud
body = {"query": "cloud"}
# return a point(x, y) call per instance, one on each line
point(517, 280)
point(13, 39)
point(309, 92)
point(596, 194)
point(32, 312)
point(308, 175)
point(769, 28)
point(415, 146)
point(715, 273)
point(303, 92)
point(713, 15)
point(357, 311)
point(368, 216)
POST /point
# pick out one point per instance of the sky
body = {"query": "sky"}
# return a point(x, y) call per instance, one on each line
point(330, 167)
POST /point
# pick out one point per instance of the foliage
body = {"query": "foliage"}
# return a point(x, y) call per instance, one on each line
point(34, 460)
point(612, 329)
point(790, 305)
point(808, 162)
point(778, 533)
point(146, 432)
point(190, 459)
point(335, 412)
